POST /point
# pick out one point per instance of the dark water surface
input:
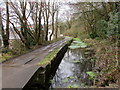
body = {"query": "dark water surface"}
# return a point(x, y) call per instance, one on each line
point(72, 71)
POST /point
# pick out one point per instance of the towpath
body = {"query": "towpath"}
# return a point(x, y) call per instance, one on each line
point(18, 71)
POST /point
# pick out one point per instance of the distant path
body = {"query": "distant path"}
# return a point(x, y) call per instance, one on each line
point(17, 72)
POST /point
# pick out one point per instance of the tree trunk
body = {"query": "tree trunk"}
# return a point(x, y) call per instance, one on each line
point(5, 33)
point(1, 29)
point(36, 24)
point(47, 12)
point(46, 38)
point(56, 33)
point(52, 27)
point(53, 14)
point(40, 26)
point(7, 26)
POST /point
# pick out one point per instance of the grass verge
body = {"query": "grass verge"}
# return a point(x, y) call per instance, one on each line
point(49, 57)
point(4, 57)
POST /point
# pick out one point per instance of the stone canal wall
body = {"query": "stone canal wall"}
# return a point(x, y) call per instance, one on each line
point(41, 79)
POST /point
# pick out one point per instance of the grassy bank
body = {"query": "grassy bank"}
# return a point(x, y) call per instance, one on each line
point(49, 57)
point(106, 62)
point(106, 53)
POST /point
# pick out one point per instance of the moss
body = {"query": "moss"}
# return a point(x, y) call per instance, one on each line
point(52, 54)
point(5, 57)
point(49, 57)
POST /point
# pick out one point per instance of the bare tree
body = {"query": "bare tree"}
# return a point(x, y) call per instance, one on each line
point(46, 16)
point(7, 25)
point(5, 32)
point(54, 12)
point(52, 16)
point(40, 25)
point(25, 33)
point(34, 12)
point(1, 27)
point(56, 31)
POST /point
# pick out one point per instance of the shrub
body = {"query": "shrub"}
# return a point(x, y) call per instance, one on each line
point(17, 47)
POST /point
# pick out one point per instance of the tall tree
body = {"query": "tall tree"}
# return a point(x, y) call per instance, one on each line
point(21, 16)
point(5, 32)
point(46, 16)
point(54, 12)
point(7, 25)
point(1, 28)
point(39, 24)
point(56, 31)
point(53, 17)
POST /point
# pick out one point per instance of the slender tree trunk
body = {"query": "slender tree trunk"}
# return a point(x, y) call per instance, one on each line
point(40, 26)
point(56, 33)
point(46, 37)
point(7, 25)
point(36, 23)
point(1, 28)
point(47, 12)
point(5, 33)
point(53, 14)
point(43, 27)
point(52, 27)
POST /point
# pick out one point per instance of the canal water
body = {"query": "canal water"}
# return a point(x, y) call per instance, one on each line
point(71, 72)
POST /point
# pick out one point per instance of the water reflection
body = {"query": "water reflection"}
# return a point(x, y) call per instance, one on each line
point(72, 70)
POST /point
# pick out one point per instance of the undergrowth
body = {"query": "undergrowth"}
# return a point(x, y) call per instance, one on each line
point(106, 56)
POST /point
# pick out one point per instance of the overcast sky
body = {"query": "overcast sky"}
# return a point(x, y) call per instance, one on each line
point(63, 8)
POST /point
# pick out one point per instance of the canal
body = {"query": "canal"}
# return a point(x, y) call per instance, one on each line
point(71, 72)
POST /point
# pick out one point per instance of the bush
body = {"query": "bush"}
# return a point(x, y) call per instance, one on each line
point(92, 35)
point(112, 24)
point(106, 29)
point(17, 47)
point(101, 28)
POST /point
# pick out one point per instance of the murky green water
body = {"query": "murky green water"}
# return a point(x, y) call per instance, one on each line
point(72, 71)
